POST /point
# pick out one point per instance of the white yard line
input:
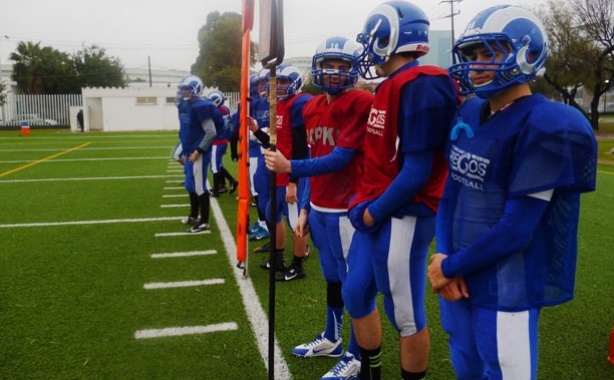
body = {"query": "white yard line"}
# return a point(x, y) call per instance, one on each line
point(175, 188)
point(175, 196)
point(182, 284)
point(83, 222)
point(174, 206)
point(91, 178)
point(255, 313)
point(88, 159)
point(183, 254)
point(167, 234)
point(178, 331)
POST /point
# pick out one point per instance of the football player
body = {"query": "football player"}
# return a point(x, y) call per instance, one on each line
point(508, 221)
point(336, 124)
point(292, 143)
point(220, 146)
point(396, 201)
point(197, 132)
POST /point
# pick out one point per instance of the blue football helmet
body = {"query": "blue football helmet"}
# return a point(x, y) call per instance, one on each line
point(253, 86)
point(337, 48)
point(392, 27)
point(292, 74)
point(512, 30)
point(194, 84)
point(216, 97)
point(263, 83)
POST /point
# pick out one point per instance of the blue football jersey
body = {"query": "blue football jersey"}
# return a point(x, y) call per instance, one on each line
point(534, 145)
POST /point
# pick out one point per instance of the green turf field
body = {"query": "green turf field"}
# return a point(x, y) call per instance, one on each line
point(93, 267)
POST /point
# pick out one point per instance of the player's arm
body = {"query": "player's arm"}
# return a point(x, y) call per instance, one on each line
point(511, 234)
point(331, 163)
point(210, 133)
point(261, 135)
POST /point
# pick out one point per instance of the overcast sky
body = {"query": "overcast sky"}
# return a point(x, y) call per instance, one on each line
point(166, 31)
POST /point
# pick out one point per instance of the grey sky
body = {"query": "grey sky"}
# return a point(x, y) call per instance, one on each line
point(132, 30)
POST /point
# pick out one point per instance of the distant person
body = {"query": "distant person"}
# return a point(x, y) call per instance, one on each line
point(507, 226)
point(80, 120)
point(197, 132)
point(220, 146)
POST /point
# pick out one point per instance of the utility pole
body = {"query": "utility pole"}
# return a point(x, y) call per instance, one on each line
point(149, 68)
point(451, 16)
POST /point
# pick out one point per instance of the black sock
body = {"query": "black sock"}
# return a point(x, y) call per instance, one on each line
point(227, 175)
point(370, 364)
point(412, 375)
point(297, 262)
point(205, 206)
point(194, 205)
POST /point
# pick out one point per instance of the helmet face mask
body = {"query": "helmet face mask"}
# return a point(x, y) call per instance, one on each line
point(512, 30)
point(253, 86)
point(289, 80)
point(217, 97)
point(263, 83)
point(334, 65)
point(190, 87)
point(391, 28)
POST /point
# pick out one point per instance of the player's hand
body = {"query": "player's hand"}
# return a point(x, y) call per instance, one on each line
point(302, 227)
point(291, 193)
point(276, 162)
point(357, 217)
point(455, 290)
point(367, 218)
point(438, 280)
point(194, 156)
point(252, 124)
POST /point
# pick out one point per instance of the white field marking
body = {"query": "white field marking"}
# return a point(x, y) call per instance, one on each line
point(183, 254)
point(175, 188)
point(178, 331)
point(182, 284)
point(175, 182)
point(61, 149)
point(84, 222)
point(88, 159)
point(174, 195)
point(256, 315)
point(122, 136)
point(173, 206)
point(174, 171)
point(167, 234)
point(90, 178)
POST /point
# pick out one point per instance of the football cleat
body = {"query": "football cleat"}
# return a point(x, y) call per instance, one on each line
point(264, 248)
point(233, 187)
point(291, 273)
point(199, 228)
point(190, 220)
point(320, 346)
point(253, 228)
point(346, 368)
point(259, 235)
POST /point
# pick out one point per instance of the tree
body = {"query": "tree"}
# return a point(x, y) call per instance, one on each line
point(95, 69)
point(3, 94)
point(596, 20)
point(568, 45)
point(42, 70)
point(219, 61)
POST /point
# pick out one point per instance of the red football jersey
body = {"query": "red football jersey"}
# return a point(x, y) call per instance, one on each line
point(289, 114)
point(341, 123)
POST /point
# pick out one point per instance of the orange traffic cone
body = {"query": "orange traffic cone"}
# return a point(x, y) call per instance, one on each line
point(611, 357)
